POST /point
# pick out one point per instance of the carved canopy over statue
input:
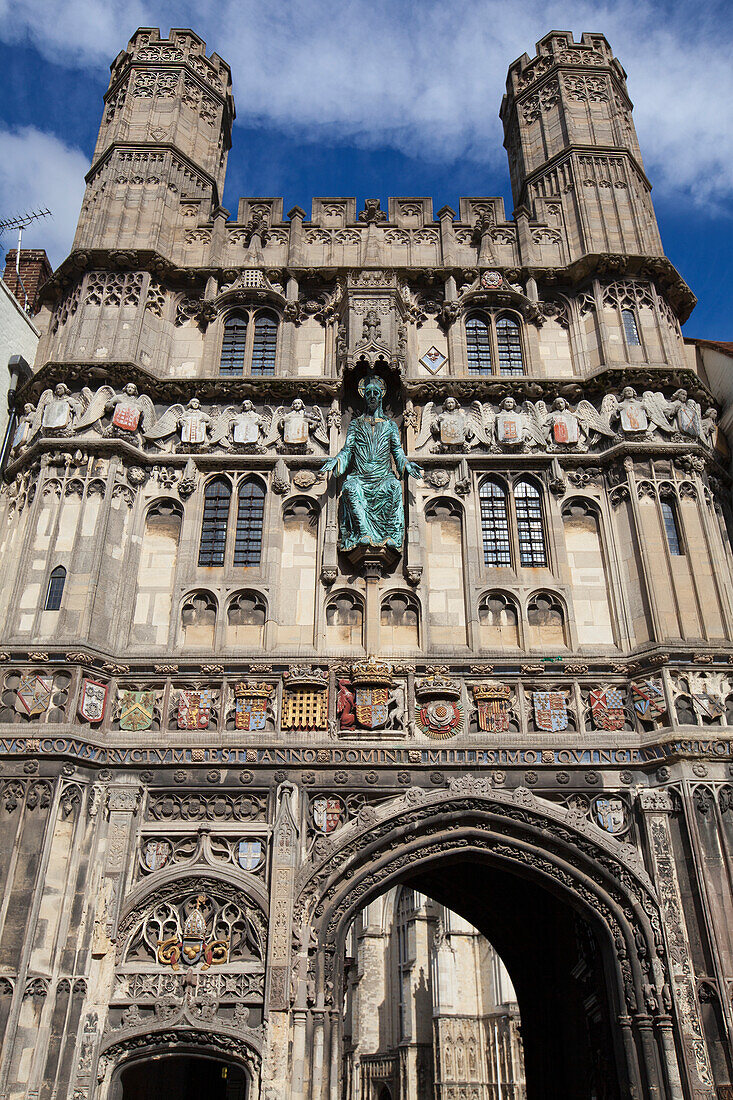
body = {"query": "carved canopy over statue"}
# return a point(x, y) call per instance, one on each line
point(371, 512)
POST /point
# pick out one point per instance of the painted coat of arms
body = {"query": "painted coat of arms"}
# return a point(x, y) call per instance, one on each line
point(93, 700)
point(565, 428)
point(250, 854)
point(607, 708)
point(34, 694)
point(137, 709)
point(708, 704)
point(251, 702)
point(126, 417)
point(192, 944)
point(439, 713)
point(328, 813)
point(156, 854)
point(649, 701)
point(610, 814)
point(305, 700)
point(194, 710)
point(550, 710)
point(372, 681)
point(492, 705)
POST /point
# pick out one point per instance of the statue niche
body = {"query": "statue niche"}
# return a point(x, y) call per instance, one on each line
point(371, 513)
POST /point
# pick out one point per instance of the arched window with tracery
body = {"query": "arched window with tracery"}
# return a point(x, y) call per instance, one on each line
point(509, 346)
point(495, 523)
point(212, 548)
point(198, 620)
point(264, 345)
point(478, 344)
point(246, 617)
point(55, 589)
point(546, 621)
point(234, 346)
point(498, 621)
point(250, 516)
point(530, 529)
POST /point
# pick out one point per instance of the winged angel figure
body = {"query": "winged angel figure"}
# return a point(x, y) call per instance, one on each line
point(291, 428)
point(56, 413)
point(132, 412)
point(245, 427)
point(454, 429)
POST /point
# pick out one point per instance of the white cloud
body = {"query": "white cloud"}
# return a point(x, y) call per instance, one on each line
point(423, 76)
point(37, 170)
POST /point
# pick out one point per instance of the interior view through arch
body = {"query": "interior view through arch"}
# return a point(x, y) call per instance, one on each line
point(468, 982)
point(182, 1077)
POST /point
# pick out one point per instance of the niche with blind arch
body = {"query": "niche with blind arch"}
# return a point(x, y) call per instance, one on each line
point(446, 609)
point(198, 620)
point(345, 621)
point(156, 572)
point(399, 622)
point(298, 571)
point(246, 618)
point(588, 572)
point(498, 621)
point(546, 621)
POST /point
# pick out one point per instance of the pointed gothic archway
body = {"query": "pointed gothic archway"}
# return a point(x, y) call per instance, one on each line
point(571, 910)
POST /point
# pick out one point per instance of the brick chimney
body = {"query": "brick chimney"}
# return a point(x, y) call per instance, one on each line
point(34, 271)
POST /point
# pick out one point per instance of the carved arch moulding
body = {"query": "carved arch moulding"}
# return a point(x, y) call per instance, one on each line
point(515, 831)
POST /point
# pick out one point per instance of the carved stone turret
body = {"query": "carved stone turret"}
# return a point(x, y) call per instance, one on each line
point(574, 157)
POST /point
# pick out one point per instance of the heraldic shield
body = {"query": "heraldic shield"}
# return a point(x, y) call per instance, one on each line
point(372, 707)
point(607, 708)
point(136, 710)
point(648, 696)
point(250, 705)
point(610, 814)
point(34, 694)
point(93, 700)
point(194, 710)
point(328, 813)
point(550, 710)
point(126, 417)
point(492, 706)
point(250, 854)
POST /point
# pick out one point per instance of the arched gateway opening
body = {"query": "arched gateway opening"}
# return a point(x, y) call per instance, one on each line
point(183, 1077)
point(569, 909)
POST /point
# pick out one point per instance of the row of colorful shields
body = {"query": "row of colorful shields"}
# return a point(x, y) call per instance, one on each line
point(493, 702)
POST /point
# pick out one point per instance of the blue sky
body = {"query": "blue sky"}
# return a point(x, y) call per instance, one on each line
point(381, 97)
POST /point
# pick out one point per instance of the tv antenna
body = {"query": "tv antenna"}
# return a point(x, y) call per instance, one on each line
point(21, 222)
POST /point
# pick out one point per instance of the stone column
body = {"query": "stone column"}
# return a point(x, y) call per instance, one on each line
point(276, 1077)
point(656, 806)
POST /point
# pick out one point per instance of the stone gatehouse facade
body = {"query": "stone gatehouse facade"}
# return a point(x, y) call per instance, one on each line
point(233, 717)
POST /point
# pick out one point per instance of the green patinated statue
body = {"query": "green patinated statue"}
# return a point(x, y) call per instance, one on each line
point(371, 511)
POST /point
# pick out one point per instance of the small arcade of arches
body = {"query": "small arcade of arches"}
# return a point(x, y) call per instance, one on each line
point(183, 1076)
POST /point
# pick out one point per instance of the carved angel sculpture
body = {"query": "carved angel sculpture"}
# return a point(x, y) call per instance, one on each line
point(131, 411)
point(451, 427)
point(245, 427)
point(192, 422)
point(292, 428)
point(709, 428)
point(512, 427)
point(595, 423)
point(687, 414)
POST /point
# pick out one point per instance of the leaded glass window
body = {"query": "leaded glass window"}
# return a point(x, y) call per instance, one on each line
point(631, 329)
point(265, 344)
point(478, 344)
point(55, 589)
point(214, 527)
point(671, 528)
point(233, 347)
point(250, 514)
point(509, 344)
point(495, 524)
point(530, 533)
